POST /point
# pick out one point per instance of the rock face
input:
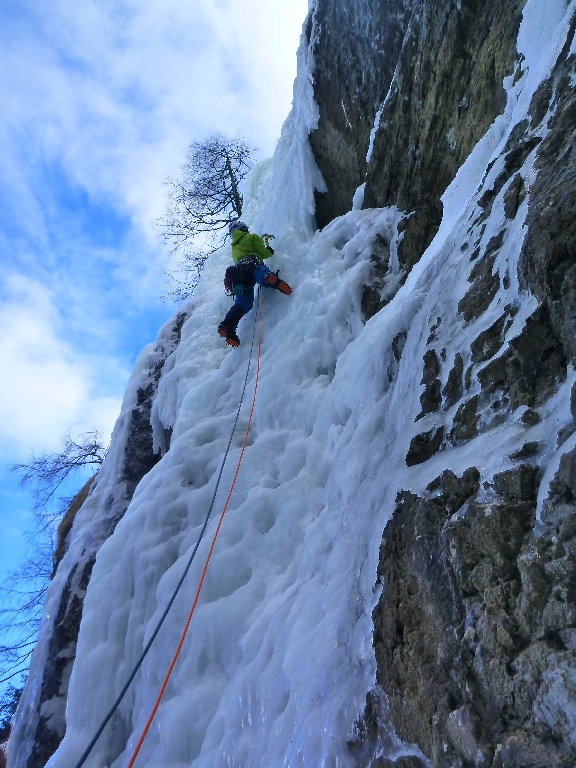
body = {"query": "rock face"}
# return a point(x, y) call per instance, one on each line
point(435, 70)
point(356, 53)
point(108, 498)
point(548, 267)
point(475, 631)
point(65, 525)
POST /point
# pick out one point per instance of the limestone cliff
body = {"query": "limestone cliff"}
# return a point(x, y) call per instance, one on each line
point(475, 629)
point(430, 73)
point(409, 494)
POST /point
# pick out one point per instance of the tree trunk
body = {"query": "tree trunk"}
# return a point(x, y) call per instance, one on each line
point(235, 193)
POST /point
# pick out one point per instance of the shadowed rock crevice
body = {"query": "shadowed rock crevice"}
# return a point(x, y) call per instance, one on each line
point(465, 424)
point(532, 367)
point(51, 725)
point(487, 343)
point(431, 398)
point(355, 56)
point(67, 522)
point(424, 446)
point(548, 259)
point(454, 388)
point(446, 91)
point(435, 70)
point(485, 283)
point(513, 161)
point(374, 293)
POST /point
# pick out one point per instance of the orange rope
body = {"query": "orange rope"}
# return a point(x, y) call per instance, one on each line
point(201, 582)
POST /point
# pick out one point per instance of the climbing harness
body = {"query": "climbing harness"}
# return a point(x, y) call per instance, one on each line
point(106, 720)
point(201, 582)
point(240, 276)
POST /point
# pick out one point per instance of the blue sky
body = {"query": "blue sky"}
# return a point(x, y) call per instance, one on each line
point(100, 101)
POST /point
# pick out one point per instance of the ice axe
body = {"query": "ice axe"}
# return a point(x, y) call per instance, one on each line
point(267, 239)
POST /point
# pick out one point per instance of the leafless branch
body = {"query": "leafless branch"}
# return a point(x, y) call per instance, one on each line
point(201, 204)
point(46, 473)
point(23, 591)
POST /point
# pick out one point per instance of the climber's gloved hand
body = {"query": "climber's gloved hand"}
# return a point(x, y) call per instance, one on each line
point(270, 250)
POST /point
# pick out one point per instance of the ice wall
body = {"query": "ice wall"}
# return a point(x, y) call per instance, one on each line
point(280, 655)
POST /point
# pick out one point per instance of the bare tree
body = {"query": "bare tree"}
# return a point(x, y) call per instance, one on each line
point(22, 592)
point(207, 197)
point(22, 596)
point(190, 264)
point(202, 203)
point(46, 473)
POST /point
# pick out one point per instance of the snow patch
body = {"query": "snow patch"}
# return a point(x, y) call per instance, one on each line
point(358, 199)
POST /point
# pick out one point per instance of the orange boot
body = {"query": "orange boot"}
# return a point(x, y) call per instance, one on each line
point(274, 282)
point(228, 334)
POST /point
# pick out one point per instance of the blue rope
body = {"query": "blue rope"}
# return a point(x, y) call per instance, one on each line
point(138, 664)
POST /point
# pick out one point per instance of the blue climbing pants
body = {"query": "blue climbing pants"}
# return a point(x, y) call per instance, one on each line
point(245, 300)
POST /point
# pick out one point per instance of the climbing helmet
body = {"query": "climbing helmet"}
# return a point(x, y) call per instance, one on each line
point(237, 225)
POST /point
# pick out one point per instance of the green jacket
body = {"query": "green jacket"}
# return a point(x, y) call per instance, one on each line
point(245, 244)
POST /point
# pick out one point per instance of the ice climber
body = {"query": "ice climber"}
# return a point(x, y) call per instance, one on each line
point(248, 253)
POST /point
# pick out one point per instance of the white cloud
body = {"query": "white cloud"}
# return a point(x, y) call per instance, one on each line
point(46, 386)
point(107, 95)
point(102, 98)
point(115, 90)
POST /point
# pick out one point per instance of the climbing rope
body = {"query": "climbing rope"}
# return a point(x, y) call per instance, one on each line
point(90, 747)
point(201, 582)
